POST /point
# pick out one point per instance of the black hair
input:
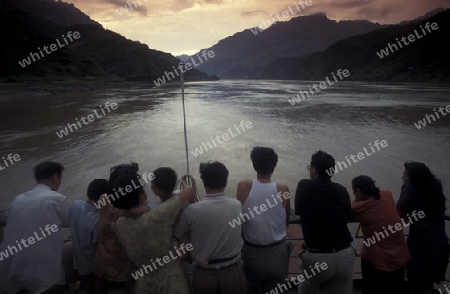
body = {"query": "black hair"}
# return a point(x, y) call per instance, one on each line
point(122, 176)
point(97, 188)
point(117, 169)
point(264, 160)
point(366, 185)
point(165, 179)
point(427, 188)
point(45, 170)
point(324, 164)
point(214, 175)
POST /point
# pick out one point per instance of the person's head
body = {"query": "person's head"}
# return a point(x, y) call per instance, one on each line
point(49, 173)
point(321, 165)
point(117, 169)
point(264, 160)
point(214, 176)
point(364, 188)
point(97, 188)
point(426, 186)
point(417, 173)
point(164, 182)
point(125, 186)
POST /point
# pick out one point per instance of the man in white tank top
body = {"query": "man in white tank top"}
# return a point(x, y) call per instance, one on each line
point(265, 216)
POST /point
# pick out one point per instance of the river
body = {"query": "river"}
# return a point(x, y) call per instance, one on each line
point(147, 127)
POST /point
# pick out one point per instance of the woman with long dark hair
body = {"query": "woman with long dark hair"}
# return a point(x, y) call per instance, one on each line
point(384, 253)
point(422, 192)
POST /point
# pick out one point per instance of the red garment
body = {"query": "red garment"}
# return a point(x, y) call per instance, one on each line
point(387, 251)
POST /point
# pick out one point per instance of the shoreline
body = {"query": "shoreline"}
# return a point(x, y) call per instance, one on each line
point(55, 87)
point(35, 87)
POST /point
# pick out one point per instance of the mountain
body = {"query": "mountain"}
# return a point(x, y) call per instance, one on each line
point(370, 58)
point(97, 52)
point(63, 63)
point(184, 57)
point(425, 16)
point(55, 11)
point(238, 55)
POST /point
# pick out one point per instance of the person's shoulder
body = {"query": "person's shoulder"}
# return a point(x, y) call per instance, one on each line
point(245, 185)
point(305, 184)
point(193, 207)
point(281, 186)
point(407, 186)
point(78, 203)
point(247, 182)
point(233, 201)
point(358, 207)
point(55, 195)
point(54, 198)
point(75, 208)
point(387, 198)
point(339, 187)
point(123, 221)
point(386, 194)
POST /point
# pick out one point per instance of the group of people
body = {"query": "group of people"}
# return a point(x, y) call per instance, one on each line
point(232, 246)
point(325, 209)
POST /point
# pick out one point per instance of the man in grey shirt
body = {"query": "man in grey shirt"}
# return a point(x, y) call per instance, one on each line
point(216, 244)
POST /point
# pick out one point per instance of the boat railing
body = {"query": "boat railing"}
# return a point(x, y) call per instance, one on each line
point(358, 236)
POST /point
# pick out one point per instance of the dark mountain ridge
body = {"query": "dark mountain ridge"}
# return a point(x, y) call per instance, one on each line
point(98, 53)
point(425, 59)
point(237, 56)
point(58, 12)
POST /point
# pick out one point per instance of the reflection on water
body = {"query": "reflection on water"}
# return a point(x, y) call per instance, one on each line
point(147, 128)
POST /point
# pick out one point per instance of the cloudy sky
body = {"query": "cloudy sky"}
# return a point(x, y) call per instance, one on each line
point(186, 26)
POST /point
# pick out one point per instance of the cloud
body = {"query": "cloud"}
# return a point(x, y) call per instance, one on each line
point(382, 11)
point(189, 25)
point(349, 3)
point(159, 6)
point(131, 6)
point(251, 13)
point(210, 2)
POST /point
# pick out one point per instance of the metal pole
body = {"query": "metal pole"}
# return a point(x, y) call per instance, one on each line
point(184, 118)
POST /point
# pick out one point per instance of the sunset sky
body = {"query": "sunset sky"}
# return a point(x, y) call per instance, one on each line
point(186, 26)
